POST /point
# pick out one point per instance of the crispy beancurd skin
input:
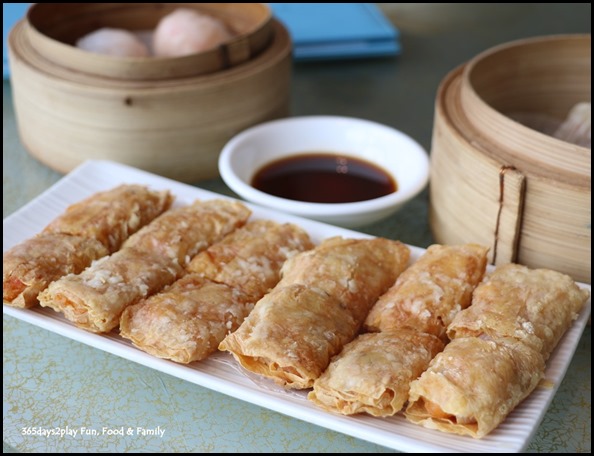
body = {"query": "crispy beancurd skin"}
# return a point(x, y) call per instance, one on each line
point(535, 306)
point(113, 215)
point(432, 291)
point(372, 373)
point(472, 385)
point(29, 267)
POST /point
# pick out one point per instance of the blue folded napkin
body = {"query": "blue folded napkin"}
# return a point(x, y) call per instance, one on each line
point(337, 30)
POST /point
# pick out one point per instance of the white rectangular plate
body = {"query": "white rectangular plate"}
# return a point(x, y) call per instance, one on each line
point(221, 373)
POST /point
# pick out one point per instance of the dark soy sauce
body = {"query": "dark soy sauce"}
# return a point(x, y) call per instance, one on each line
point(324, 178)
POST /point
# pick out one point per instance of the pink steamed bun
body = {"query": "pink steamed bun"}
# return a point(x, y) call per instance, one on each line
point(185, 31)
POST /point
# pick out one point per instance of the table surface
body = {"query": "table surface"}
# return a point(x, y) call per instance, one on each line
point(53, 382)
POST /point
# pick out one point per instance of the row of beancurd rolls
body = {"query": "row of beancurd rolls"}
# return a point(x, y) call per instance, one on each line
point(454, 349)
point(348, 318)
point(458, 349)
point(168, 275)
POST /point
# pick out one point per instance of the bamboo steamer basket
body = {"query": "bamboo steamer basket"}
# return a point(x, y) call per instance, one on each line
point(55, 27)
point(500, 183)
point(170, 116)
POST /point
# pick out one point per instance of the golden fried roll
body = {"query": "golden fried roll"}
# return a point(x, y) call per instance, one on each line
point(95, 299)
point(354, 271)
point(112, 216)
point(251, 257)
point(535, 306)
point(181, 233)
point(151, 259)
point(187, 321)
point(291, 335)
point(472, 385)
point(29, 267)
point(316, 308)
point(373, 373)
point(432, 291)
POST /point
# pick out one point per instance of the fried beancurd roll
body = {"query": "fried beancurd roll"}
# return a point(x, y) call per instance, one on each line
point(535, 306)
point(432, 291)
point(251, 258)
point(472, 385)
point(373, 373)
point(187, 321)
point(291, 335)
point(151, 259)
point(183, 232)
point(354, 271)
point(29, 267)
point(95, 299)
point(317, 307)
point(113, 215)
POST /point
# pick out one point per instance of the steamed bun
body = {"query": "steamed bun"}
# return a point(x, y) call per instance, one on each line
point(186, 31)
point(111, 41)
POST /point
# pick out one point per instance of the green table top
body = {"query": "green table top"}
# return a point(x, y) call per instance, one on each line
point(53, 382)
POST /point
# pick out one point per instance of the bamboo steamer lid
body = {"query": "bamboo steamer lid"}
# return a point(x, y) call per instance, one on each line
point(174, 124)
point(498, 182)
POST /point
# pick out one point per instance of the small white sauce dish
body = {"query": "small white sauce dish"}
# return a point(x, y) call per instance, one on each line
point(385, 147)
